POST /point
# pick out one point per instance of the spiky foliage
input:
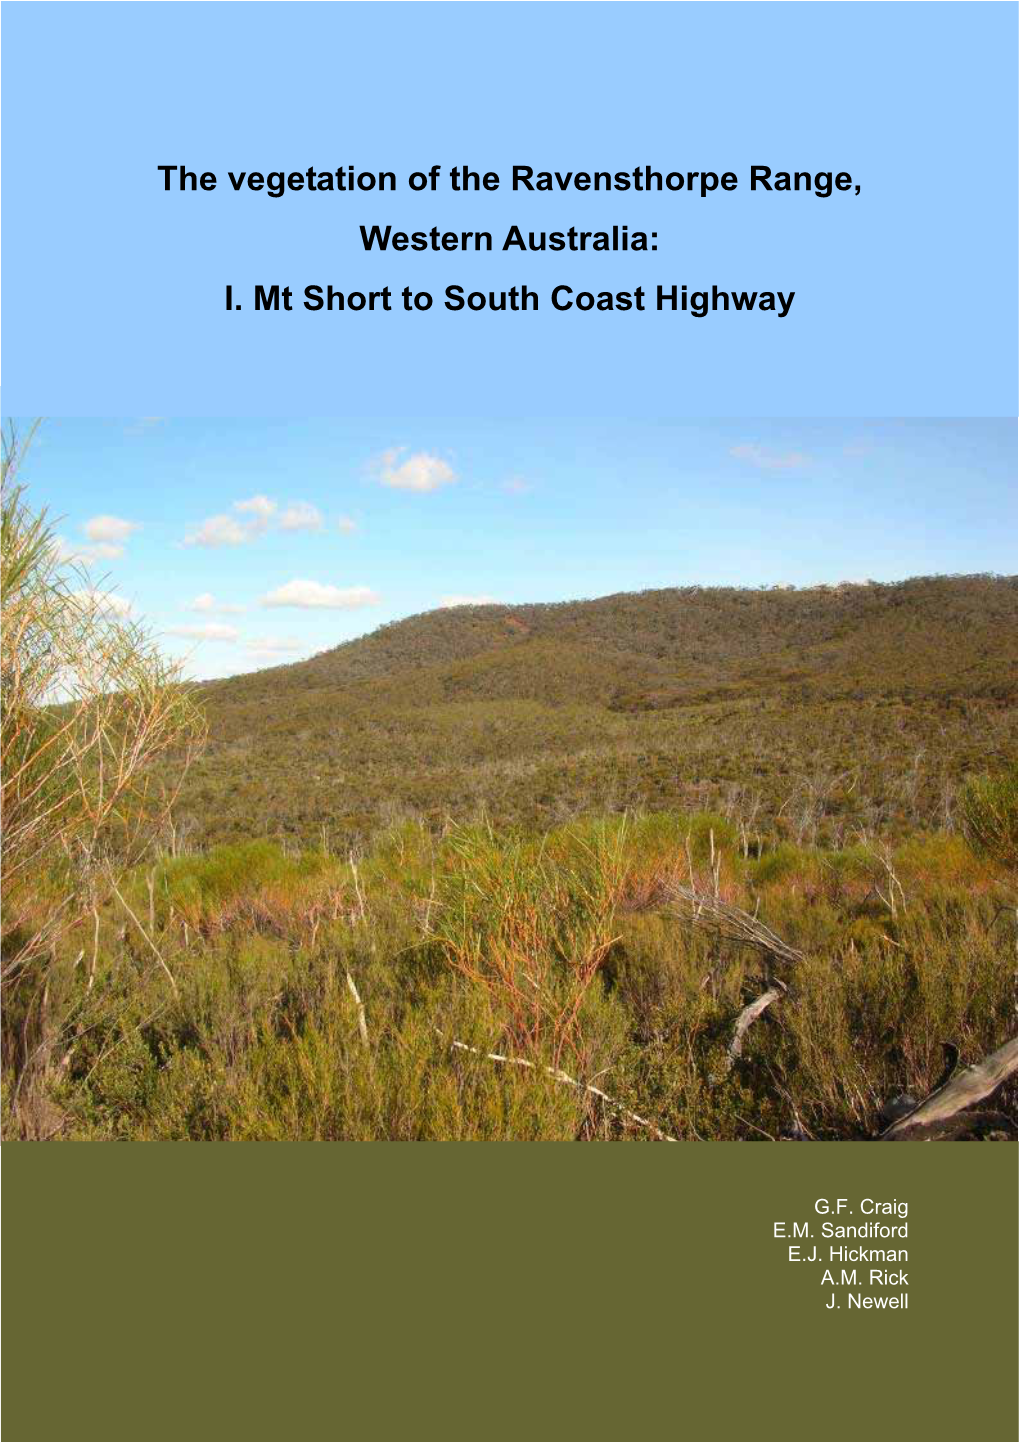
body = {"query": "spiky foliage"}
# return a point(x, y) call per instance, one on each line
point(88, 704)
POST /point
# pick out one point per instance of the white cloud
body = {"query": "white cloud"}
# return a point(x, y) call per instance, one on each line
point(250, 519)
point(769, 460)
point(105, 601)
point(220, 531)
point(301, 516)
point(208, 605)
point(347, 526)
point(448, 601)
point(106, 537)
point(68, 551)
point(313, 594)
point(211, 631)
point(517, 486)
point(419, 472)
point(260, 506)
point(111, 529)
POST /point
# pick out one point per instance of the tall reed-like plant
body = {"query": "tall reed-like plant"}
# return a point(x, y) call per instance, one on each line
point(88, 706)
point(530, 930)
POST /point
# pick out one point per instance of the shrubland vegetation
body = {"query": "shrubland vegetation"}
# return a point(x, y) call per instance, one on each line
point(803, 715)
point(515, 873)
point(316, 996)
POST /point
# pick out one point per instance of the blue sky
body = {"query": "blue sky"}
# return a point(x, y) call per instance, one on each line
point(246, 543)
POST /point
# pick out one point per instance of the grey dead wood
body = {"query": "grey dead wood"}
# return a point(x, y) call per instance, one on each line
point(708, 911)
point(747, 1017)
point(362, 1023)
point(972, 1085)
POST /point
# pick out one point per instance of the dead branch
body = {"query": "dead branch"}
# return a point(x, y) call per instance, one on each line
point(362, 1024)
point(748, 1016)
point(565, 1080)
point(972, 1085)
point(976, 1124)
point(145, 936)
point(708, 911)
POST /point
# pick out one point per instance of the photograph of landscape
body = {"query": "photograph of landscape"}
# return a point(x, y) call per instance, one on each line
point(589, 780)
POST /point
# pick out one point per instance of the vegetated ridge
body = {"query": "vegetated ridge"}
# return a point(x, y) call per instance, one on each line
point(807, 710)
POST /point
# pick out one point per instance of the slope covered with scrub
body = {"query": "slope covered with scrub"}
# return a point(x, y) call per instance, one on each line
point(806, 714)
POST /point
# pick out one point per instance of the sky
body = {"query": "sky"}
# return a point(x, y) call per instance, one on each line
point(247, 543)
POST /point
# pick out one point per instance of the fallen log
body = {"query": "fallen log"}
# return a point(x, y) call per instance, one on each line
point(976, 1125)
point(972, 1085)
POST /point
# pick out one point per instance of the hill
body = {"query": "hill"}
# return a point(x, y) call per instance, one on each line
point(810, 711)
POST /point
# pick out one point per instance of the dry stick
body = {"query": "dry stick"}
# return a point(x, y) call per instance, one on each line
point(362, 1024)
point(711, 913)
point(749, 1015)
point(972, 1085)
point(95, 948)
point(561, 1076)
point(357, 888)
point(148, 939)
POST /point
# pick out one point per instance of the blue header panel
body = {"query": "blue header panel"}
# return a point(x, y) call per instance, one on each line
point(905, 295)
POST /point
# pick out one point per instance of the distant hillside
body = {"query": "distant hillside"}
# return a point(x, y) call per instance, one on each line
point(938, 632)
point(534, 712)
